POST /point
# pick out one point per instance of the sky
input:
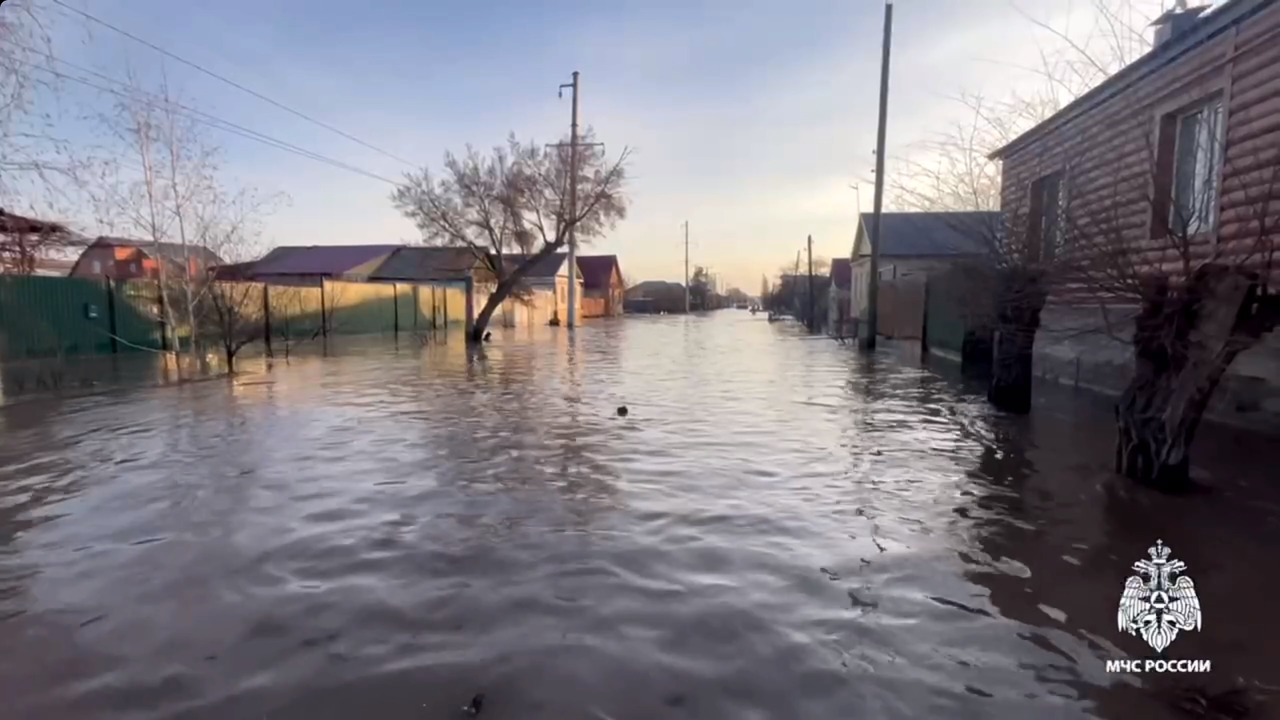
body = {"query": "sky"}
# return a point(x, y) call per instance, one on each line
point(748, 119)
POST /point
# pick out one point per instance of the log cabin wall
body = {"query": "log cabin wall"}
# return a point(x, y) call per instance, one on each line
point(1111, 153)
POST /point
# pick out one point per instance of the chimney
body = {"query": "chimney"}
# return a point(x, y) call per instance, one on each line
point(1174, 23)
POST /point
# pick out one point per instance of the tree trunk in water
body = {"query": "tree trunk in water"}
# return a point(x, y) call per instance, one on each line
point(504, 289)
point(1021, 298)
point(486, 313)
point(1184, 341)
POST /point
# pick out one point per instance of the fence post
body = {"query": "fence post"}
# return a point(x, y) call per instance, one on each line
point(164, 327)
point(469, 322)
point(111, 316)
point(395, 310)
point(324, 319)
point(266, 318)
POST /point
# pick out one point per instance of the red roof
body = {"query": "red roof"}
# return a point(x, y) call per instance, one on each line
point(597, 271)
point(842, 273)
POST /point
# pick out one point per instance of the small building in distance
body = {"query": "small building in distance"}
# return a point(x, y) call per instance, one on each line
point(603, 290)
point(126, 259)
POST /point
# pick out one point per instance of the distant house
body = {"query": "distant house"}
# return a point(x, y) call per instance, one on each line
point(914, 244)
point(654, 296)
point(30, 246)
point(543, 292)
point(603, 290)
point(839, 321)
point(311, 265)
point(125, 259)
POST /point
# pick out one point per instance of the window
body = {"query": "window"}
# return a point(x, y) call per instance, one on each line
point(133, 268)
point(1197, 159)
point(1046, 216)
point(97, 267)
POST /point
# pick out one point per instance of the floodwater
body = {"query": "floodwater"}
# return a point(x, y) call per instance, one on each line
point(779, 528)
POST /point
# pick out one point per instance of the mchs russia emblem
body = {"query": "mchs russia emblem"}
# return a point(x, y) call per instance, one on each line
point(1160, 601)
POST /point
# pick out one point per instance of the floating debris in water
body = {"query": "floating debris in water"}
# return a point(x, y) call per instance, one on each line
point(622, 411)
point(859, 602)
point(831, 574)
point(477, 704)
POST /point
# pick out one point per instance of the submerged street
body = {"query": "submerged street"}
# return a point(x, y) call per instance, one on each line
point(780, 527)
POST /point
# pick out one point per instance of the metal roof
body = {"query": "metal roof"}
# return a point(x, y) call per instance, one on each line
point(597, 270)
point(427, 263)
point(921, 234)
point(547, 267)
point(320, 259)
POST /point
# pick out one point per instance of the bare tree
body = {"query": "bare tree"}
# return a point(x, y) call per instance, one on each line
point(955, 171)
point(516, 200)
point(232, 313)
point(1202, 282)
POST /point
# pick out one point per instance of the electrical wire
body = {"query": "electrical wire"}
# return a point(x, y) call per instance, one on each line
point(228, 81)
point(204, 118)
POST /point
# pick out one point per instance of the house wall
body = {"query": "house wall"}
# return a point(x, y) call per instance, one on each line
point(890, 268)
point(604, 302)
point(118, 263)
point(1107, 156)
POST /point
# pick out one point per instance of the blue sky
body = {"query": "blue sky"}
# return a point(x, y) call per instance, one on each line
point(748, 118)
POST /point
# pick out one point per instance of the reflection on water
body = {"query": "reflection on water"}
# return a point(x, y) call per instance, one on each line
point(780, 528)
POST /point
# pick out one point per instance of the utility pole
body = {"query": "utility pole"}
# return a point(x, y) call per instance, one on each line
point(573, 204)
point(813, 321)
point(686, 267)
point(873, 298)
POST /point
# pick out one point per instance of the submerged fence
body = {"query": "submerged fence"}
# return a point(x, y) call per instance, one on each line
point(53, 317)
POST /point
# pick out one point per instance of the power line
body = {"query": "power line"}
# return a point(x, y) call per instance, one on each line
point(230, 82)
point(209, 120)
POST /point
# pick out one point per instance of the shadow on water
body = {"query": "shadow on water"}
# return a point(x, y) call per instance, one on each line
point(781, 527)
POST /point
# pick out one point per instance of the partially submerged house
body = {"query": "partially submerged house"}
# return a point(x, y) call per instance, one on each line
point(542, 296)
point(1176, 158)
point(913, 245)
point(127, 259)
point(311, 265)
point(603, 290)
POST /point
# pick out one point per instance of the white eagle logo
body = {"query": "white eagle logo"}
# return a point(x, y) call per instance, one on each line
point(1159, 606)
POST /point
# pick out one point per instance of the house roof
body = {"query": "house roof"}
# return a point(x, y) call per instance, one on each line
point(171, 251)
point(233, 271)
point(546, 268)
point(1209, 26)
point(910, 234)
point(597, 270)
point(11, 224)
point(427, 263)
point(842, 273)
point(320, 259)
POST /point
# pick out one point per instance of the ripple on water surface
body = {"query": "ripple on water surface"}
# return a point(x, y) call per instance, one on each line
point(780, 528)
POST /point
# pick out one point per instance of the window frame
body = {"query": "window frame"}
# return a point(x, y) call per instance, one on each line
point(1036, 219)
point(1168, 126)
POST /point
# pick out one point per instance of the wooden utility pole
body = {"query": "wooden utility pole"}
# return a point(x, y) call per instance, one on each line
point(813, 320)
point(873, 297)
point(686, 266)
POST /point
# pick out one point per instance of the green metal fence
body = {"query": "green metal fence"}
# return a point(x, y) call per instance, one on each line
point(51, 317)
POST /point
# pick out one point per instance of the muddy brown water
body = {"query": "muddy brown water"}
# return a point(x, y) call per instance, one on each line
point(780, 528)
